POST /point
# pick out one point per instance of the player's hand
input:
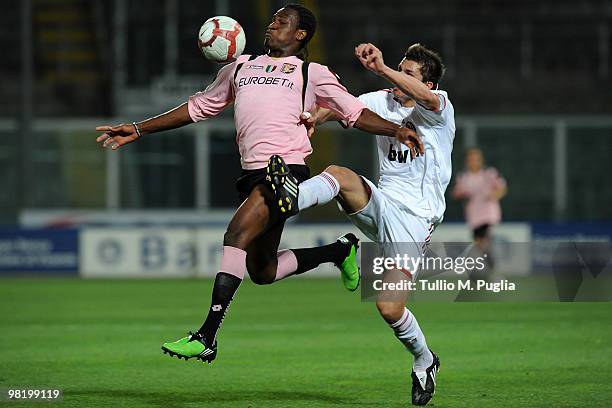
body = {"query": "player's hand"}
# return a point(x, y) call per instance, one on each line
point(370, 57)
point(116, 136)
point(410, 139)
point(308, 120)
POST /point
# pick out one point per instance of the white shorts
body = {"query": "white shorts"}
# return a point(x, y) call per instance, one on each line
point(394, 227)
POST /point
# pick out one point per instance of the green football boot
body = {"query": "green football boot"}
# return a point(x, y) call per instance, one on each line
point(192, 346)
point(349, 267)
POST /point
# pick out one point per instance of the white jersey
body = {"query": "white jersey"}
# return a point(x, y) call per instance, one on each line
point(417, 185)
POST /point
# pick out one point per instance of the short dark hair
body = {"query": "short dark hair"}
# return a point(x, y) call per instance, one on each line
point(306, 21)
point(432, 68)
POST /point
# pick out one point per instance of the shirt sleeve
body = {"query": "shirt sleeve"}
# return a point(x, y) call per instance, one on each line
point(434, 117)
point(460, 188)
point(496, 179)
point(331, 94)
point(371, 100)
point(216, 97)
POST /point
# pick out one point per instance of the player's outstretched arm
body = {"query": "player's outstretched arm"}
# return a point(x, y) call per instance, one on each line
point(370, 122)
point(321, 115)
point(330, 94)
point(117, 136)
point(372, 59)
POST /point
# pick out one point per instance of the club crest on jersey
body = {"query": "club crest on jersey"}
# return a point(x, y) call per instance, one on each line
point(270, 68)
point(288, 68)
point(408, 124)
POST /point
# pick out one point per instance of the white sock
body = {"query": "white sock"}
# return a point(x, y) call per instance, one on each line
point(320, 189)
point(407, 331)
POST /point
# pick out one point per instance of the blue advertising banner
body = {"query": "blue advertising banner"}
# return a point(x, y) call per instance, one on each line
point(39, 250)
point(572, 248)
point(572, 231)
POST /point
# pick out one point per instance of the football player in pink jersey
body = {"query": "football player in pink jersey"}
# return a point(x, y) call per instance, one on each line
point(480, 188)
point(269, 93)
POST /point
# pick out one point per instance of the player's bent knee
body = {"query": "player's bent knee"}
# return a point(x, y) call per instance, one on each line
point(340, 173)
point(390, 311)
point(261, 269)
point(261, 279)
point(346, 177)
point(234, 237)
point(334, 170)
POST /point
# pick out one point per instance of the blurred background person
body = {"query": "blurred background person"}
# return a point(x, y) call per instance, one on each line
point(481, 188)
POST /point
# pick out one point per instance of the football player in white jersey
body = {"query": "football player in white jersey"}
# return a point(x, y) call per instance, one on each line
point(409, 199)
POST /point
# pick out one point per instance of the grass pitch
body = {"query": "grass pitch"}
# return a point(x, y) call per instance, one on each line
point(299, 343)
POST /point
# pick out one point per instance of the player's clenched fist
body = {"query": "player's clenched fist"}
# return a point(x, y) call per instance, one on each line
point(370, 57)
point(117, 136)
point(309, 121)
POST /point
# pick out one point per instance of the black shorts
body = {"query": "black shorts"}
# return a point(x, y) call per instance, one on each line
point(250, 178)
point(481, 231)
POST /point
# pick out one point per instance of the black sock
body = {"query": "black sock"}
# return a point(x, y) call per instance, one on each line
point(310, 258)
point(226, 286)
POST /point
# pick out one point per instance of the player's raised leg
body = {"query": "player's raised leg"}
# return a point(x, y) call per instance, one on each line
point(342, 253)
point(267, 265)
point(335, 182)
point(250, 220)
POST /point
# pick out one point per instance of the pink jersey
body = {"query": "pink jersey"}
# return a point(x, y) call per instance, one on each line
point(267, 97)
point(478, 188)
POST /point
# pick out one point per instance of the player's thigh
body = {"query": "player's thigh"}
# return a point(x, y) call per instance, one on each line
point(354, 192)
point(262, 254)
point(370, 218)
point(406, 236)
point(251, 219)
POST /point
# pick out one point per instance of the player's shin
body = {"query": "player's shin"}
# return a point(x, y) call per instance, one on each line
point(318, 190)
point(408, 331)
point(310, 258)
point(228, 280)
point(296, 261)
point(342, 253)
point(287, 264)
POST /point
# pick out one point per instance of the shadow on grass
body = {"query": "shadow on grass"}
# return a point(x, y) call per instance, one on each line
point(170, 399)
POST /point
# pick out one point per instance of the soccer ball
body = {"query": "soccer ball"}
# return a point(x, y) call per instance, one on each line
point(221, 39)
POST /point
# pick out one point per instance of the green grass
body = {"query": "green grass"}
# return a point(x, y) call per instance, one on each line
point(300, 343)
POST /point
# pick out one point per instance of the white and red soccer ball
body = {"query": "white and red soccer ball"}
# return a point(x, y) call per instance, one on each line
point(221, 39)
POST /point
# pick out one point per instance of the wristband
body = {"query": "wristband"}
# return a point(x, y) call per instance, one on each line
point(136, 128)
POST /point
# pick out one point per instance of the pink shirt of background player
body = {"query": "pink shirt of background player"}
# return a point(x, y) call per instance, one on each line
point(477, 188)
point(267, 97)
